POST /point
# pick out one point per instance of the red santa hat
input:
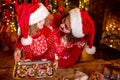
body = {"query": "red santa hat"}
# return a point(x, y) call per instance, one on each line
point(83, 26)
point(29, 14)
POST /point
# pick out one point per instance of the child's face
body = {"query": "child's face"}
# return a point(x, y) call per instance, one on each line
point(40, 24)
point(65, 25)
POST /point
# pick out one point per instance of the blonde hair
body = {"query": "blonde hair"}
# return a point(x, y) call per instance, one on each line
point(32, 29)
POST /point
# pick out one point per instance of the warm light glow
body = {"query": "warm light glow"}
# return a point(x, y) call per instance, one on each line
point(114, 46)
point(107, 29)
point(7, 23)
point(111, 45)
point(13, 1)
point(12, 23)
point(113, 23)
point(12, 12)
point(5, 16)
point(66, 4)
point(11, 7)
point(118, 29)
point(106, 39)
point(3, 4)
point(8, 20)
point(84, 4)
point(54, 10)
point(111, 41)
point(110, 26)
point(113, 28)
point(110, 36)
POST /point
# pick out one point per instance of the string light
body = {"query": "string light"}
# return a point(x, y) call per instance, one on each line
point(111, 34)
point(84, 4)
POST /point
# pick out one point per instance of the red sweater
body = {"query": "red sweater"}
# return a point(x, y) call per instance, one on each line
point(67, 55)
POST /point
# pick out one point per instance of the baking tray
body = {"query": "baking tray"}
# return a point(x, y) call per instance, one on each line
point(38, 69)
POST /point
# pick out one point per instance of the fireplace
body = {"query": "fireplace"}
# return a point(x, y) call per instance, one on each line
point(111, 25)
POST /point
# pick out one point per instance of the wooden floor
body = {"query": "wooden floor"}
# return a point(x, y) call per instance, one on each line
point(7, 61)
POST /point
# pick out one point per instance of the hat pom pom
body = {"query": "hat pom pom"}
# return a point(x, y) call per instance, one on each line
point(90, 50)
point(26, 41)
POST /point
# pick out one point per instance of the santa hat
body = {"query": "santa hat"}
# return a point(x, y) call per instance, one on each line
point(83, 26)
point(29, 14)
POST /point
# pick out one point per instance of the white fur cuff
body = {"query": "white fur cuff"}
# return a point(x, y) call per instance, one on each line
point(26, 41)
point(90, 50)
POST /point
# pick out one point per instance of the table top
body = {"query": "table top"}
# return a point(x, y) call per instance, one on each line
point(86, 67)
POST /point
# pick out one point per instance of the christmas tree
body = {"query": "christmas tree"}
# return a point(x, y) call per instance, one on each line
point(8, 22)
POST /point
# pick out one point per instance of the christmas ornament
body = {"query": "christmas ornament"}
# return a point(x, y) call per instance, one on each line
point(60, 8)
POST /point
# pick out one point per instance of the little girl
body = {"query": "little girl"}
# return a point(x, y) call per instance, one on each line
point(32, 41)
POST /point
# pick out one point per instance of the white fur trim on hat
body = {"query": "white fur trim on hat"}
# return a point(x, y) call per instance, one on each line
point(40, 14)
point(76, 23)
point(90, 50)
point(26, 41)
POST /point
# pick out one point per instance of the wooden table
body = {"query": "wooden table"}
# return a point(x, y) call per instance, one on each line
point(61, 74)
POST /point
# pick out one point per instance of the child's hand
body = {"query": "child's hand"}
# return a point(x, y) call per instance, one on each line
point(55, 64)
point(17, 55)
